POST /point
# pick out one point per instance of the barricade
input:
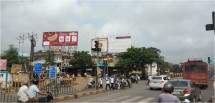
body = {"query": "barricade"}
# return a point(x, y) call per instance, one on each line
point(66, 86)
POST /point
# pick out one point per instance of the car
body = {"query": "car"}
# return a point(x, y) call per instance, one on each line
point(158, 81)
point(186, 89)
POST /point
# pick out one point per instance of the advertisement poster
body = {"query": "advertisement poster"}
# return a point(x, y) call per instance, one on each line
point(119, 44)
point(60, 38)
point(103, 44)
point(3, 64)
point(3, 78)
point(16, 68)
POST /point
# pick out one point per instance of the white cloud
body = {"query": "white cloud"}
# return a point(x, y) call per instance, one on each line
point(177, 27)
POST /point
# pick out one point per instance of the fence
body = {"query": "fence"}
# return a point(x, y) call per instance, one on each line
point(55, 86)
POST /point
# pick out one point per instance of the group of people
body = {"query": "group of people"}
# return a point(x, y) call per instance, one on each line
point(113, 82)
point(26, 94)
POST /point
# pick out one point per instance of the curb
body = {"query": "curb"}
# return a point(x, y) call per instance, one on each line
point(78, 95)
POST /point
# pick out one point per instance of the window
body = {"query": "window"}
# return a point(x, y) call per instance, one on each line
point(165, 78)
point(201, 69)
point(158, 78)
point(179, 83)
point(189, 69)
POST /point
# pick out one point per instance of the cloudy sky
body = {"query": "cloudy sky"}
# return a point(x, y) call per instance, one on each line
point(176, 27)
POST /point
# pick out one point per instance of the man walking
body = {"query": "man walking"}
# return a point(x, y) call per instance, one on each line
point(107, 83)
point(112, 82)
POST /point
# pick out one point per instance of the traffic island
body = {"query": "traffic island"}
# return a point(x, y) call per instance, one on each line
point(78, 95)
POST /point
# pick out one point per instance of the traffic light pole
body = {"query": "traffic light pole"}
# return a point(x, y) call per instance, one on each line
point(97, 69)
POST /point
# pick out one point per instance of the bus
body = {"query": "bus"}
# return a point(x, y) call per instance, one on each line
point(197, 71)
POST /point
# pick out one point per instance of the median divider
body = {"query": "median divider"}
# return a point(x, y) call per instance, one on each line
point(77, 95)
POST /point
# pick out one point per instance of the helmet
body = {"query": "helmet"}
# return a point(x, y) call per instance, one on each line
point(168, 87)
point(35, 81)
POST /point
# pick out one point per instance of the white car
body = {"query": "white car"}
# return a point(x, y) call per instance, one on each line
point(158, 81)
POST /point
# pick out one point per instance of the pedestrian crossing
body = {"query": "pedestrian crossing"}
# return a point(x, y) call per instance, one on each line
point(123, 99)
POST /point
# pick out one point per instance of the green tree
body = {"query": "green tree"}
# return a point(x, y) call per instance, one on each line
point(81, 59)
point(12, 56)
point(137, 58)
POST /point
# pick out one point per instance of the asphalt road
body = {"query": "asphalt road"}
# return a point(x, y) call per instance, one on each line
point(139, 93)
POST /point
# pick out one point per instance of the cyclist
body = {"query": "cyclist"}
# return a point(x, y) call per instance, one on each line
point(166, 96)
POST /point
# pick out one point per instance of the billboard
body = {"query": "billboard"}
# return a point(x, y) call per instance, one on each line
point(119, 44)
point(60, 38)
point(103, 44)
point(3, 64)
point(16, 68)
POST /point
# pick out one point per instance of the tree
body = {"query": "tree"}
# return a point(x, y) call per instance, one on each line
point(137, 58)
point(81, 59)
point(13, 57)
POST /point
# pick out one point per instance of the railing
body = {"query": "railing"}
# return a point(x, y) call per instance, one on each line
point(56, 86)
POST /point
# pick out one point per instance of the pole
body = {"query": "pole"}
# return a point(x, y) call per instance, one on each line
point(97, 68)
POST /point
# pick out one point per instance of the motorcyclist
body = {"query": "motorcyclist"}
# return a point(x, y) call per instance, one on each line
point(166, 96)
point(23, 93)
point(33, 90)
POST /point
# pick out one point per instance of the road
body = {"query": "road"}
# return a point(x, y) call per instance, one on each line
point(139, 93)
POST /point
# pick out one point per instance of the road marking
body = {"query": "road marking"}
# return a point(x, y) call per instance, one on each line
point(119, 98)
point(130, 99)
point(146, 100)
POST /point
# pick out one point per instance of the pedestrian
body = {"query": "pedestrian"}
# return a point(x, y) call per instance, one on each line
point(112, 82)
point(149, 79)
point(107, 83)
point(166, 96)
point(41, 76)
point(73, 77)
point(67, 76)
point(101, 85)
point(119, 82)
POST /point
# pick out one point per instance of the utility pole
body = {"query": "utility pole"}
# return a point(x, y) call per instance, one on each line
point(32, 39)
point(97, 49)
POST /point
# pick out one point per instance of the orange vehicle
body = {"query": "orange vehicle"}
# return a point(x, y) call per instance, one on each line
point(197, 71)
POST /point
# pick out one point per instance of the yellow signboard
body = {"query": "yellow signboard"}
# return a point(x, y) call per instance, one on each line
point(16, 68)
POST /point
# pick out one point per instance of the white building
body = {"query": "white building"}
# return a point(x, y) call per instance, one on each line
point(152, 70)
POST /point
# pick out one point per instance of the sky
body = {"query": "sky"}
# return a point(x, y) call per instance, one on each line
point(176, 27)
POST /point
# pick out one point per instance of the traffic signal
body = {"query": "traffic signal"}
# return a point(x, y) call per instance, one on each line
point(209, 60)
point(96, 46)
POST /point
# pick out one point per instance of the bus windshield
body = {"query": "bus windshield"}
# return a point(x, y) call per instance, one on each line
point(189, 69)
point(201, 69)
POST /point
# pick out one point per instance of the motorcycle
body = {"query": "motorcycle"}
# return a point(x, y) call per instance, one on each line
point(126, 84)
point(91, 84)
point(46, 99)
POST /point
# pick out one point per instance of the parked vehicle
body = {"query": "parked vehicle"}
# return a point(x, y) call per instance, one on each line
point(158, 81)
point(186, 89)
point(197, 71)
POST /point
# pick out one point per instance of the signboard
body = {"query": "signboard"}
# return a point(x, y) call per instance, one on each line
point(52, 72)
point(60, 38)
point(16, 68)
point(3, 78)
point(38, 68)
point(119, 44)
point(3, 64)
point(103, 44)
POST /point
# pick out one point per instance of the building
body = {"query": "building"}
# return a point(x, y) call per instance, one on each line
point(61, 59)
point(152, 70)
